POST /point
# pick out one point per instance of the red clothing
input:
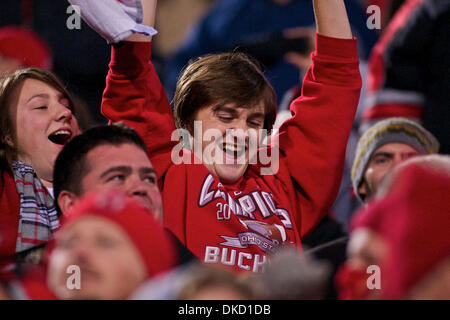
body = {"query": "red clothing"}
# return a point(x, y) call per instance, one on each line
point(387, 98)
point(32, 286)
point(237, 225)
point(9, 216)
point(413, 220)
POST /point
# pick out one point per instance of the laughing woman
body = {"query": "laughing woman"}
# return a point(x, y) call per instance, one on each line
point(36, 120)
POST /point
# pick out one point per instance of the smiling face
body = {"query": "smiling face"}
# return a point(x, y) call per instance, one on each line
point(125, 167)
point(110, 265)
point(43, 122)
point(228, 157)
point(382, 161)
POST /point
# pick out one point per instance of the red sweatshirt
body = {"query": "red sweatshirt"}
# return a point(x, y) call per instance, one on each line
point(237, 225)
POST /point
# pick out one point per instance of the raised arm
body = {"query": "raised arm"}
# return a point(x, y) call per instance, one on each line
point(313, 141)
point(134, 94)
point(332, 19)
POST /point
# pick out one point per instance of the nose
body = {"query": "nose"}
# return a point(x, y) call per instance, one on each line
point(397, 160)
point(240, 131)
point(242, 125)
point(62, 113)
point(81, 252)
point(136, 187)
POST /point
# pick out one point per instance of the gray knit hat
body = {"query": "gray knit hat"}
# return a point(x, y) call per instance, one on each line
point(391, 130)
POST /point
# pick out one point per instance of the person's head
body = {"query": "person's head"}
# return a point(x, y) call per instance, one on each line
point(433, 163)
point(382, 147)
point(212, 283)
point(112, 243)
point(412, 221)
point(404, 233)
point(229, 93)
point(106, 157)
point(292, 275)
point(37, 120)
point(365, 249)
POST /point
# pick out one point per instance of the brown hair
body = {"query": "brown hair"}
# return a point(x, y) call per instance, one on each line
point(222, 79)
point(8, 87)
point(201, 277)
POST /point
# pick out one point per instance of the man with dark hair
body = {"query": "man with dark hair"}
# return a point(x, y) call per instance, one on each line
point(109, 156)
point(106, 157)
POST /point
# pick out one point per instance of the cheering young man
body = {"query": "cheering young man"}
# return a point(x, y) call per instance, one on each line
point(219, 202)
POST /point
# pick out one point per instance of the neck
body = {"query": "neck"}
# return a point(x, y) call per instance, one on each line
point(47, 184)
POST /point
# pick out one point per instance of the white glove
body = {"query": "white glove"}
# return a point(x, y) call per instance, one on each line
point(114, 20)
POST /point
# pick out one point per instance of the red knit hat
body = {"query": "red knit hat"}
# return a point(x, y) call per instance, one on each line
point(414, 219)
point(150, 239)
point(25, 46)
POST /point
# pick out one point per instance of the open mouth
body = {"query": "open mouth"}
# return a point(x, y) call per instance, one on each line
point(234, 150)
point(60, 137)
point(234, 154)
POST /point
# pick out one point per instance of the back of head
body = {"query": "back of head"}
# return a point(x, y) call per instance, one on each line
point(290, 275)
point(202, 282)
point(71, 165)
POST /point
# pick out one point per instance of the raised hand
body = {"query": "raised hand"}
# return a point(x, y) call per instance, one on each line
point(116, 20)
point(148, 19)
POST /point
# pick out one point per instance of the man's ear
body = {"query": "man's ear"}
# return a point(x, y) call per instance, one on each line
point(66, 199)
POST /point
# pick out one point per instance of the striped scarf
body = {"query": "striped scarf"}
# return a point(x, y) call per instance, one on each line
point(38, 215)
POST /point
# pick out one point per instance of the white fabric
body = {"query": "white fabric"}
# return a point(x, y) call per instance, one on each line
point(134, 9)
point(114, 20)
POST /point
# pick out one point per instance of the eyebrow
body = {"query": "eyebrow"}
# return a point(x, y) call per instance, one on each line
point(128, 170)
point(257, 115)
point(226, 109)
point(144, 171)
point(41, 95)
point(122, 169)
point(61, 96)
point(384, 154)
point(234, 112)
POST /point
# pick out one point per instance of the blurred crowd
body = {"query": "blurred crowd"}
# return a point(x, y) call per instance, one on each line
point(386, 236)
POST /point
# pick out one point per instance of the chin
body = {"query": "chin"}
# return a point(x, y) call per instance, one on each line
point(230, 173)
